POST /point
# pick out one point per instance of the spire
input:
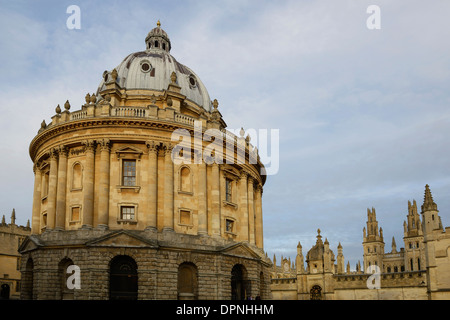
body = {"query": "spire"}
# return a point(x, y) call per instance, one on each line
point(319, 237)
point(13, 217)
point(3, 220)
point(394, 246)
point(428, 203)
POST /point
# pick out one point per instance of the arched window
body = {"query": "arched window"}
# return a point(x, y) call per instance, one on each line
point(316, 293)
point(418, 263)
point(412, 264)
point(77, 176)
point(65, 292)
point(187, 281)
point(185, 180)
point(123, 279)
point(156, 44)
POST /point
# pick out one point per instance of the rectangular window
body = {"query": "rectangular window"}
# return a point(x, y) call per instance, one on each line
point(129, 173)
point(127, 213)
point(75, 214)
point(185, 217)
point(229, 224)
point(228, 190)
point(45, 183)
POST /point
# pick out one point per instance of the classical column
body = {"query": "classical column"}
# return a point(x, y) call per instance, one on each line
point(36, 215)
point(202, 196)
point(103, 200)
point(215, 199)
point(152, 186)
point(168, 189)
point(52, 185)
point(61, 190)
point(251, 211)
point(243, 205)
point(259, 219)
point(88, 185)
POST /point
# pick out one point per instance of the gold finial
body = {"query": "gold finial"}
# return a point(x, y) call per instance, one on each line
point(158, 24)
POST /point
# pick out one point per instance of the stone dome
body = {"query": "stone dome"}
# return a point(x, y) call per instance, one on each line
point(152, 69)
point(318, 250)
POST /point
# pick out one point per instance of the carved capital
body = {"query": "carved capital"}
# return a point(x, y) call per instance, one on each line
point(62, 150)
point(104, 144)
point(36, 168)
point(53, 153)
point(152, 146)
point(89, 145)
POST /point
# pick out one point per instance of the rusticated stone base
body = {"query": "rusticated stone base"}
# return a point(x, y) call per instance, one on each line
point(157, 255)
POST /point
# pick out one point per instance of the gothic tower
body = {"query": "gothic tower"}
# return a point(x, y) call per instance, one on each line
point(413, 238)
point(373, 243)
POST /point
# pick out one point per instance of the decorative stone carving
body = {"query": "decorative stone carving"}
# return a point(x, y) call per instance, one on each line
point(173, 77)
point(89, 145)
point(104, 144)
point(67, 105)
point(93, 98)
point(114, 75)
point(58, 109)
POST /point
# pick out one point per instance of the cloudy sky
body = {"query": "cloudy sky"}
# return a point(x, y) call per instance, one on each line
point(363, 115)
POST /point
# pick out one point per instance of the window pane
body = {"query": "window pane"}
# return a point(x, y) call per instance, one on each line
point(127, 213)
point(129, 173)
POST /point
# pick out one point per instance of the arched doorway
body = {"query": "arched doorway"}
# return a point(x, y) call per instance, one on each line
point(316, 293)
point(123, 279)
point(27, 281)
point(240, 286)
point(4, 291)
point(187, 281)
point(66, 293)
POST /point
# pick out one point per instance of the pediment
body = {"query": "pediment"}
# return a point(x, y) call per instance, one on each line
point(30, 243)
point(122, 238)
point(241, 250)
point(129, 150)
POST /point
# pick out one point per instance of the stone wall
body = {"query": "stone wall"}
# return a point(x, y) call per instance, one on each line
point(157, 267)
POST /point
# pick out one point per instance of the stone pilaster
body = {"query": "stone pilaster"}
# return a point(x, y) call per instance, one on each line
point(215, 199)
point(202, 196)
point(251, 211)
point(168, 189)
point(36, 213)
point(259, 218)
point(243, 205)
point(88, 185)
point(52, 186)
point(151, 215)
point(61, 189)
point(103, 201)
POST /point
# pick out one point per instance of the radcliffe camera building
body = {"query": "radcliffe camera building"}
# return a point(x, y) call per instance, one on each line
point(111, 199)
